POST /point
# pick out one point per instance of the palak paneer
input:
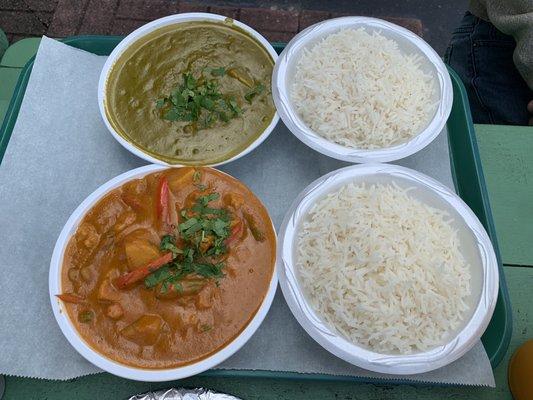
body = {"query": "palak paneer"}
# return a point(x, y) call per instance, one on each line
point(193, 93)
point(167, 269)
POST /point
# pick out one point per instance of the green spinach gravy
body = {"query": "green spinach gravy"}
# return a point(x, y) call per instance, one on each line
point(192, 93)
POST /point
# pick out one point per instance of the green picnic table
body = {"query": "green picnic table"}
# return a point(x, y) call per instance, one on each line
point(507, 158)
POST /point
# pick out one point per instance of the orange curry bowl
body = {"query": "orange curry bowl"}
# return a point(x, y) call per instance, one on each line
point(163, 273)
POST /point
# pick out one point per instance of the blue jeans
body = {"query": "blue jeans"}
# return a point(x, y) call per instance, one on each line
point(483, 57)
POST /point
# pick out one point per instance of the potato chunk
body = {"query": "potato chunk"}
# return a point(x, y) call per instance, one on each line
point(204, 299)
point(107, 292)
point(180, 178)
point(124, 220)
point(234, 200)
point(145, 331)
point(139, 253)
point(87, 236)
point(190, 286)
point(140, 250)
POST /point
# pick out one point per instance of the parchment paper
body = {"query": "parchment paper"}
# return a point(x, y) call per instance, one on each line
point(60, 151)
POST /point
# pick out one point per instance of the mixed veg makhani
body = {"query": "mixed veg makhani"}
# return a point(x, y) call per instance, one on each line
point(167, 269)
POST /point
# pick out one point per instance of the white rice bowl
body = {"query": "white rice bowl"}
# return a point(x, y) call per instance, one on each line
point(351, 102)
point(361, 290)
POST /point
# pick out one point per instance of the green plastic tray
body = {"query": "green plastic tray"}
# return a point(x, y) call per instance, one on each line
point(466, 170)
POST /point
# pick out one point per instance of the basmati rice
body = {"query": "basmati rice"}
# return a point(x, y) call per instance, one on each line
point(383, 269)
point(359, 90)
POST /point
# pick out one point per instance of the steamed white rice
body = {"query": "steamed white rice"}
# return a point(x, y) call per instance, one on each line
point(383, 269)
point(359, 90)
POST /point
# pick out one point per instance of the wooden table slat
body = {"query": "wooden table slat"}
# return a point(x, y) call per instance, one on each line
point(507, 157)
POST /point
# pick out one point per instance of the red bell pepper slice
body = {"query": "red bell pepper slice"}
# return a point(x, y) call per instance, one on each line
point(236, 232)
point(126, 280)
point(70, 298)
point(163, 205)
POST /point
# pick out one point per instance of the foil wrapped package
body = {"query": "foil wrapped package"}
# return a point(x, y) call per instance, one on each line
point(183, 394)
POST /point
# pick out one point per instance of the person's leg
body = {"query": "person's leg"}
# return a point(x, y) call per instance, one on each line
point(459, 57)
point(483, 58)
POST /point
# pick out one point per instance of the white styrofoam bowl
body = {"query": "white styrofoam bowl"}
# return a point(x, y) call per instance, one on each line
point(150, 27)
point(408, 42)
point(475, 246)
point(105, 363)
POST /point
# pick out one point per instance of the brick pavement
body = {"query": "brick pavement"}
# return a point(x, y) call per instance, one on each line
point(59, 18)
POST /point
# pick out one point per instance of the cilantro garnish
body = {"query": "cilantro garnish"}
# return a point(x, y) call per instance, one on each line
point(196, 180)
point(196, 176)
point(258, 89)
point(200, 101)
point(203, 232)
point(168, 243)
point(203, 200)
point(155, 277)
point(220, 71)
point(85, 316)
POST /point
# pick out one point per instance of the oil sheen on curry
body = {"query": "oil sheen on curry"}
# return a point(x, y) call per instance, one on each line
point(193, 93)
point(166, 270)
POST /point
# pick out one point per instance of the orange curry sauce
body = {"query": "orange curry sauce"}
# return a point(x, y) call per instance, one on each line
point(117, 246)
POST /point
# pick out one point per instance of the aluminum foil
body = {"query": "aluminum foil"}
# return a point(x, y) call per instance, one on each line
point(407, 41)
point(476, 247)
point(183, 394)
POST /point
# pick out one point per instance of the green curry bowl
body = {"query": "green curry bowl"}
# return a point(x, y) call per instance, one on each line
point(189, 89)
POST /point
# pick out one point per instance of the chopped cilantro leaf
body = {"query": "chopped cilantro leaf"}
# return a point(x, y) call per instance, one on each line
point(220, 227)
point(234, 107)
point(209, 270)
point(258, 89)
point(172, 115)
point(223, 116)
point(192, 229)
point(158, 276)
point(168, 243)
point(190, 82)
point(187, 224)
point(204, 200)
point(220, 71)
point(196, 176)
point(188, 254)
point(85, 316)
